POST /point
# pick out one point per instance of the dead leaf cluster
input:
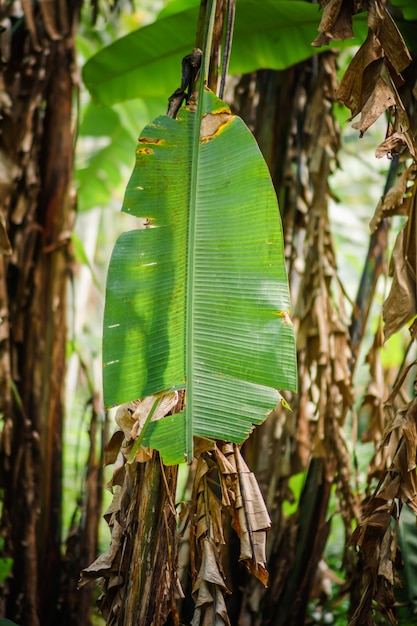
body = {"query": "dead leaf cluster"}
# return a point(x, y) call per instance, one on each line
point(132, 461)
point(336, 21)
point(224, 484)
point(322, 335)
point(370, 84)
point(223, 487)
point(377, 533)
point(124, 445)
point(325, 376)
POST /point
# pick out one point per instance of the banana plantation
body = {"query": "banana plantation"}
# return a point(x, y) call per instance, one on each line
point(208, 312)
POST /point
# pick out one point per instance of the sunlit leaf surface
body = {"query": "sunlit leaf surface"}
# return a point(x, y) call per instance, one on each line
point(199, 299)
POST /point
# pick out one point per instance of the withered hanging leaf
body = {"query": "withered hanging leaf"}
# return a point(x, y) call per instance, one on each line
point(391, 145)
point(370, 83)
point(207, 506)
point(386, 565)
point(351, 85)
point(209, 571)
point(377, 96)
point(402, 471)
point(341, 356)
point(119, 472)
point(250, 519)
point(409, 430)
point(394, 202)
point(398, 134)
point(402, 126)
point(112, 447)
point(106, 562)
point(376, 534)
point(208, 590)
point(384, 27)
point(209, 515)
point(209, 586)
point(224, 471)
point(401, 304)
point(336, 22)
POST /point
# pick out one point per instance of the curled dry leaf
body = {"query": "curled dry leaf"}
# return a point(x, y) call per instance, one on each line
point(336, 22)
point(250, 518)
point(112, 447)
point(400, 307)
point(391, 145)
point(395, 201)
point(381, 23)
point(399, 134)
point(370, 83)
point(106, 562)
point(351, 85)
point(210, 605)
point(378, 94)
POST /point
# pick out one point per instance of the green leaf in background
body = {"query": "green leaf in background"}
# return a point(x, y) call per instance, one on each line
point(407, 25)
point(407, 7)
point(199, 300)
point(273, 34)
point(106, 140)
point(5, 568)
point(176, 6)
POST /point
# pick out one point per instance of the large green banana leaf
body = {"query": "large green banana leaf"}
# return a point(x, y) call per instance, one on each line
point(199, 300)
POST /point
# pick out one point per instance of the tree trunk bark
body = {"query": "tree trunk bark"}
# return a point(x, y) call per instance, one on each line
point(151, 581)
point(139, 571)
point(36, 150)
